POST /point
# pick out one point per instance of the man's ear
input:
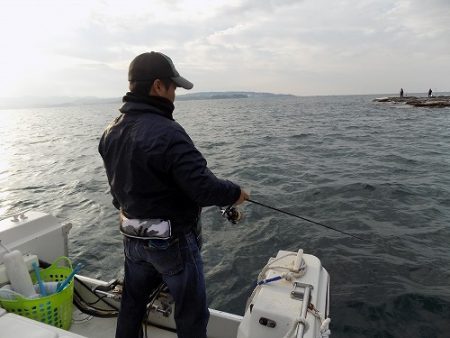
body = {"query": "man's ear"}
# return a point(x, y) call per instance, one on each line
point(156, 88)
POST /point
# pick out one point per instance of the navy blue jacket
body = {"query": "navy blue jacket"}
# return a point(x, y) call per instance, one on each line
point(154, 169)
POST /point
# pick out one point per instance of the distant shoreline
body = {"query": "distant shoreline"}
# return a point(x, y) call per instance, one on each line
point(228, 95)
point(53, 102)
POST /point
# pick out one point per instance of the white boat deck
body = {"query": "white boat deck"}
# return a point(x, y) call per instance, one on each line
point(94, 327)
point(86, 326)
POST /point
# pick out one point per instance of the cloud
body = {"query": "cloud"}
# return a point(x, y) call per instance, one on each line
point(244, 9)
point(300, 47)
point(420, 21)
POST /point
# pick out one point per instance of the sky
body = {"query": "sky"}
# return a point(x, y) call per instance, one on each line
point(300, 47)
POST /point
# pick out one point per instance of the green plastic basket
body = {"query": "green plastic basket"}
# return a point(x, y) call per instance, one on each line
point(55, 309)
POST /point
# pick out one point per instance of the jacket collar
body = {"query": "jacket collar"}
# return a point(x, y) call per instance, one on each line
point(152, 104)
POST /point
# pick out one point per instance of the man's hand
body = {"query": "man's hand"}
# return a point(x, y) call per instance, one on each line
point(244, 196)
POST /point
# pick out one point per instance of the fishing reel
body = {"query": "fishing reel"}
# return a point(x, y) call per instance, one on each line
point(232, 214)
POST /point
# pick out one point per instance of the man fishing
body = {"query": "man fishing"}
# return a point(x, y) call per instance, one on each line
point(160, 181)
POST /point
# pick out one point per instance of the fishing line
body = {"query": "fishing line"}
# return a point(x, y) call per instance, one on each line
point(306, 219)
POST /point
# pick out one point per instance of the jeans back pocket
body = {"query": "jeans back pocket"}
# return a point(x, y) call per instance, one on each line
point(165, 255)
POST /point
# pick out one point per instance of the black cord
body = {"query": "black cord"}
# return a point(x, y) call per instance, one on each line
point(89, 308)
point(92, 310)
point(98, 300)
point(151, 300)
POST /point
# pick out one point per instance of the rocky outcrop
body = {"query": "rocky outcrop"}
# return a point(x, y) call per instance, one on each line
point(434, 101)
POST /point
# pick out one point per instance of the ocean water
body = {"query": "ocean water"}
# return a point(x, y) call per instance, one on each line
point(376, 170)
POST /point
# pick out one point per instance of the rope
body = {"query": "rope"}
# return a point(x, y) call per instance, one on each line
point(324, 328)
point(262, 274)
point(268, 265)
point(325, 331)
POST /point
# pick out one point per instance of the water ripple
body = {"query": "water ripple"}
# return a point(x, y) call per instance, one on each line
point(379, 172)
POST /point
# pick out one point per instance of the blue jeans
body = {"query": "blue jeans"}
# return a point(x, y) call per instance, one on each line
point(178, 263)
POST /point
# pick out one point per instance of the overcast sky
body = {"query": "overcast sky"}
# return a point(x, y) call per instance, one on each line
point(302, 47)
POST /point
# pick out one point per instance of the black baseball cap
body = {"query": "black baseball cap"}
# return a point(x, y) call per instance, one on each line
point(156, 65)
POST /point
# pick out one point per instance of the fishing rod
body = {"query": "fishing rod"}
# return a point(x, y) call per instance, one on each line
point(233, 215)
